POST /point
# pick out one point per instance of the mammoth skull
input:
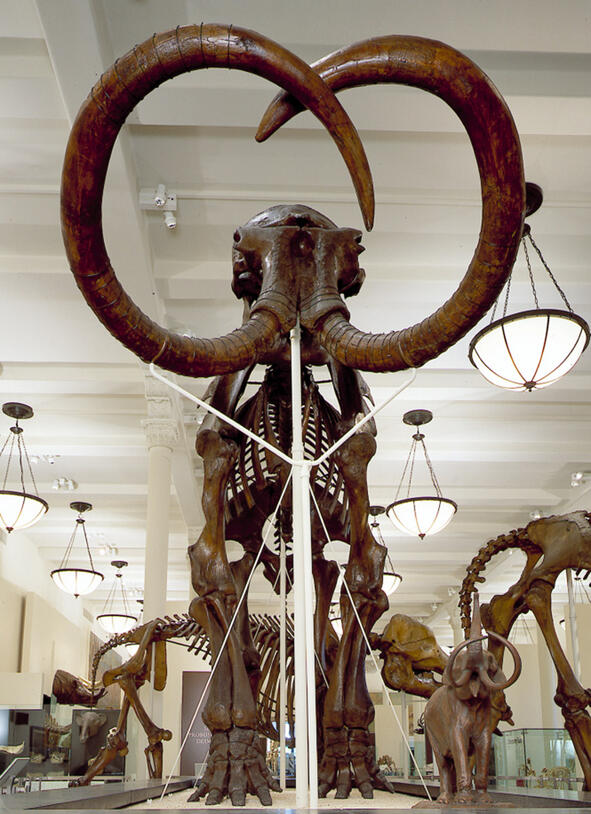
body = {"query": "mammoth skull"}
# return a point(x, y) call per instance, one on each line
point(423, 63)
point(473, 671)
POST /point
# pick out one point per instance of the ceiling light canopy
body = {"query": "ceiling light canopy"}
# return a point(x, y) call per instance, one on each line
point(425, 514)
point(20, 507)
point(119, 620)
point(531, 349)
point(70, 579)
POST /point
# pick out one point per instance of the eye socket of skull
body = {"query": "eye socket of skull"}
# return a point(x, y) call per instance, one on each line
point(351, 275)
point(247, 272)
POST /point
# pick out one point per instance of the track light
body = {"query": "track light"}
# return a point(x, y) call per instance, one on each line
point(160, 196)
point(169, 220)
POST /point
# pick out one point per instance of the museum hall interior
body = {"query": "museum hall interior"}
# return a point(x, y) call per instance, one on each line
point(295, 448)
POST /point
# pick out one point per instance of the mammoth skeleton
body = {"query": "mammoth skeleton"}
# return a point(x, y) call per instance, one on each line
point(290, 264)
point(551, 545)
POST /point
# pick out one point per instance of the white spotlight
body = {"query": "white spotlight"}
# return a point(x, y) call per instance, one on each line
point(160, 196)
point(169, 220)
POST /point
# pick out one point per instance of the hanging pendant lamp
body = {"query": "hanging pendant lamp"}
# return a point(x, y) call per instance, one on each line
point(73, 580)
point(391, 579)
point(531, 349)
point(420, 516)
point(110, 619)
point(19, 508)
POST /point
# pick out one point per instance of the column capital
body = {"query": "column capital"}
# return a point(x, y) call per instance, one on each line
point(161, 432)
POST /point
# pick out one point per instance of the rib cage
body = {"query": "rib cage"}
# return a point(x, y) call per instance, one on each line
point(258, 471)
point(265, 630)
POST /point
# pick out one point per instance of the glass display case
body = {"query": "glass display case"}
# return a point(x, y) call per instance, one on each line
point(520, 758)
point(535, 758)
point(58, 740)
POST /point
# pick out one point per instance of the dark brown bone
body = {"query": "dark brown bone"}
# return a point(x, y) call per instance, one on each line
point(447, 73)
point(94, 132)
point(551, 545)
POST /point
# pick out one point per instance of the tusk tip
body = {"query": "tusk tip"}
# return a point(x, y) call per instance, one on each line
point(368, 217)
point(274, 117)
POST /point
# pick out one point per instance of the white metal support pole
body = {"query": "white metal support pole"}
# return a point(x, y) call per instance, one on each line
point(282, 664)
point(305, 678)
point(404, 718)
point(572, 618)
point(310, 649)
point(301, 703)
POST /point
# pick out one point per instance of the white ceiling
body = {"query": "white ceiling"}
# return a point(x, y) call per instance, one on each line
point(499, 455)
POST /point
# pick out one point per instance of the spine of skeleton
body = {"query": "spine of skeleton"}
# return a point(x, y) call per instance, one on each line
point(517, 538)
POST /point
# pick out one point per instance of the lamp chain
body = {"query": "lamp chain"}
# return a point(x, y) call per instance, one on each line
point(494, 310)
point(507, 295)
point(66, 557)
point(547, 267)
point(410, 461)
point(531, 276)
point(410, 465)
point(24, 448)
point(11, 439)
point(87, 546)
point(431, 470)
point(406, 465)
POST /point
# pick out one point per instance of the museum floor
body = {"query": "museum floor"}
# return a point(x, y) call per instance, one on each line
point(287, 800)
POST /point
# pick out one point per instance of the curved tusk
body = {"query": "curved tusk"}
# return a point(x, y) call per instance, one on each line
point(502, 685)
point(448, 672)
point(89, 148)
point(441, 70)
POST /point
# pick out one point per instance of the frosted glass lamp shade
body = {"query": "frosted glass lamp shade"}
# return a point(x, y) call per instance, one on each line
point(19, 510)
point(116, 622)
point(76, 581)
point(529, 350)
point(420, 516)
point(390, 582)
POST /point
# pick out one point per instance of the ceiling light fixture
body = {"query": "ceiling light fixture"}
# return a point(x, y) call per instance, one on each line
point(420, 516)
point(111, 620)
point(579, 479)
point(160, 200)
point(72, 580)
point(64, 484)
point(391, 579)
point(532, 349)
point(19, 508)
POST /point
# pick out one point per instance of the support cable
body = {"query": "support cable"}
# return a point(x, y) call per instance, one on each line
point(370, 651)
point(226, 637)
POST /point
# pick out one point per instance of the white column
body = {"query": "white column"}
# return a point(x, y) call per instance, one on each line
point(161, 436)
point(455, 622)
point(193, 533)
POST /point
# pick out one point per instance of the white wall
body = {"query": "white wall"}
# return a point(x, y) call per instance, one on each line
point(525, 696)
point(12, 608)
point(178, 660)
point(42, 627)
